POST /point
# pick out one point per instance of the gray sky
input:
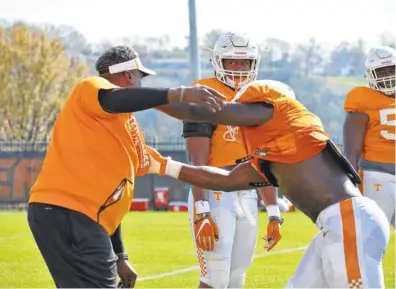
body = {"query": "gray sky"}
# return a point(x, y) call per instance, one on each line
point(330, 21)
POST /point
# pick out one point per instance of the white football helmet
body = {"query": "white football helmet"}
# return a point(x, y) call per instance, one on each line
point(377, 59)
point(235, 46)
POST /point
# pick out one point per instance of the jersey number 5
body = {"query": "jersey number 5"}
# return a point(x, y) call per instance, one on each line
point(385, 115)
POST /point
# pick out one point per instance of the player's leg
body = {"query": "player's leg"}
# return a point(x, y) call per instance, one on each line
point(77, 251)
point(215, 265)
point(381, 188)
point(292, 208)
point(245, 240)
point(309, 273)
point(357, 237)
point(283, 206)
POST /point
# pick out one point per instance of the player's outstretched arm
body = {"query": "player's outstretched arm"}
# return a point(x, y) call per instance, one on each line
point(243, 176)
point(354, 132)
point(238, 114)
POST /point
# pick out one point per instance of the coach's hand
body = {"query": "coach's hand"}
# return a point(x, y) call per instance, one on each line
point(127, 274)
point(205, 229)
point(273, 232)
point(204, 96)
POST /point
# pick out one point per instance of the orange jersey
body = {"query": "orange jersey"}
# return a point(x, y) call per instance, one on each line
point(92, 158)
point(292, 135)
point(379, 141)
point(227, 143)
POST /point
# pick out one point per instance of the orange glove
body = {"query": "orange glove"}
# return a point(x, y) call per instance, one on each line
point(273, 228)
point(273, 232)
point(205, 229)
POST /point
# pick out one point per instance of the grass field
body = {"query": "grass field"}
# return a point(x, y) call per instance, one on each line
point(160, 248)
point(349, 80)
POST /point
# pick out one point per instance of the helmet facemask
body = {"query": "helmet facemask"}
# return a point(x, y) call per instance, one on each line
point(239, 47)
point(380, 69)
point(382, 78)
point(235, 78)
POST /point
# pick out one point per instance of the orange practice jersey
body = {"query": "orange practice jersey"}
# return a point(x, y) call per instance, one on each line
point(292, 135)
point(227, 144)
point(379, 142)
point(92, 158)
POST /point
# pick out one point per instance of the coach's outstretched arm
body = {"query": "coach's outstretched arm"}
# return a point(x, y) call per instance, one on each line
point(102, 97)
point(238, 114)
point(243, 176)
point(132, 99)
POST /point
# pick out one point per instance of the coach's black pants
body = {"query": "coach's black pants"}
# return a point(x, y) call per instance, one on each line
point(77, 251)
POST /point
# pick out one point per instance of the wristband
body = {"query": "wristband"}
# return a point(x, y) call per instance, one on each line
point(122, 256)
point(273, 211)
point(173, 168)
point(202, 207)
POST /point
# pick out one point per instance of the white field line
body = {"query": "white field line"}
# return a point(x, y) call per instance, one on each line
point(193, 268)
point(6, 238)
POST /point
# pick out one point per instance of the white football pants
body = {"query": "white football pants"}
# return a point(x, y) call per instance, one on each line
point(348, 250)
point(381, 188)
point(235, 214)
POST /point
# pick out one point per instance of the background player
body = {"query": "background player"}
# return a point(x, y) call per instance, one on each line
point(233, 221)
point(369, 129)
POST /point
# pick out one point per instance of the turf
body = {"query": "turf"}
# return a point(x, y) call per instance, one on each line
point(160, 242)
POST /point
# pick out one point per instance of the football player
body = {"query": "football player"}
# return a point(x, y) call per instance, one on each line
point(224, 225)
point(288, 147)
point(369, 129)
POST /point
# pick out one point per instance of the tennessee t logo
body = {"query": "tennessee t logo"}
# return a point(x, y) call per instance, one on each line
point(377, 187)
point(217, 195)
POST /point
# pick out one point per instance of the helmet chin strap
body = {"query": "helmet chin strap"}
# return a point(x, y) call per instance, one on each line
point(234, 82)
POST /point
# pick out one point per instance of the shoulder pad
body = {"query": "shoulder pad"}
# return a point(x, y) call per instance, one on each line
point(248, 93)
point(198, 129)
point(278, 86)
point(264, 91)
point(282, 88)
point(359, 99)
point(205, 81)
